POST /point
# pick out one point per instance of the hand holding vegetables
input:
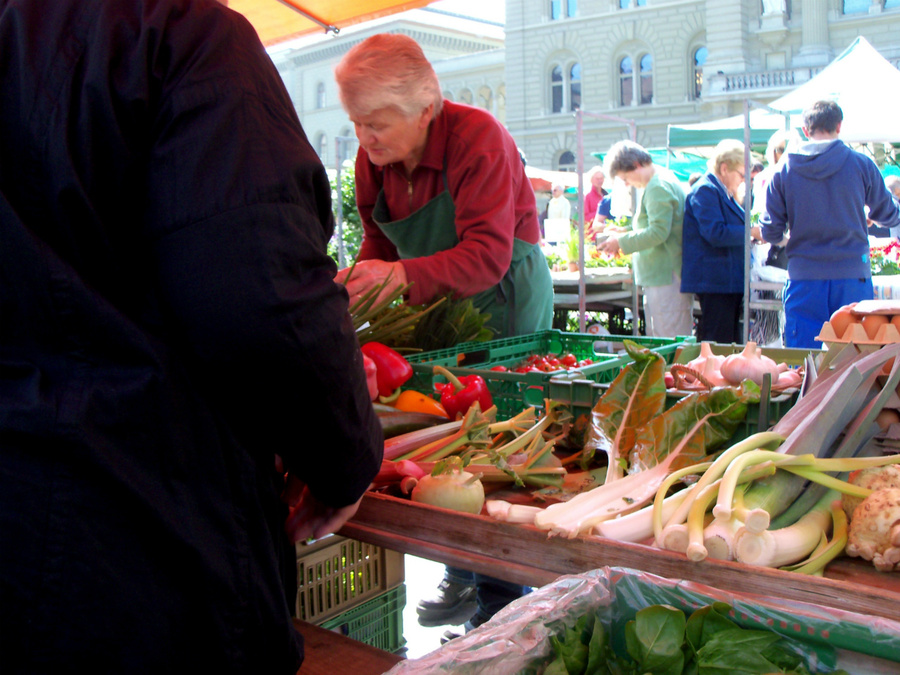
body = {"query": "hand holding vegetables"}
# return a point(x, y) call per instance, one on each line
point(310, 518)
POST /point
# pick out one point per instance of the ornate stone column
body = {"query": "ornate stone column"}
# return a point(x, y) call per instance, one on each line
point(815, 49)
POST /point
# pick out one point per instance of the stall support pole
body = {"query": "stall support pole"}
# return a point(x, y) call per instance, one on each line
point(340, 142)
point(748, 194)
point(579, 134)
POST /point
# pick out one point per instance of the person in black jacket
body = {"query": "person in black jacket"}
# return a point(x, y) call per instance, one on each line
point(170, 329)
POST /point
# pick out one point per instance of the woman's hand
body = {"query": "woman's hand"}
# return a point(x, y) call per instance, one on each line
point(369, 274)
point(610, 246)
point(310, 518)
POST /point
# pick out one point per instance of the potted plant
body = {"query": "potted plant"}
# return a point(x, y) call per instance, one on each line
point(572, 250)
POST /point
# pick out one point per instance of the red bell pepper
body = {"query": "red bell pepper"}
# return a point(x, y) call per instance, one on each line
point(392, 370)
point(371, 376)
point(459, 393)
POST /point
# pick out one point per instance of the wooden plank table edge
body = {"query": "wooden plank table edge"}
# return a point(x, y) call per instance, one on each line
point(525, 554)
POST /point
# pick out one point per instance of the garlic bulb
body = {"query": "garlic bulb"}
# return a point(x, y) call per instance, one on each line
point(750, 364)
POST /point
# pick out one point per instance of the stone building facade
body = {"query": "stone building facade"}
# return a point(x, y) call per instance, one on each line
point(646, 63)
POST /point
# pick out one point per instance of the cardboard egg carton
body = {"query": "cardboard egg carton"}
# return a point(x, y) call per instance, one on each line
point(856, 334)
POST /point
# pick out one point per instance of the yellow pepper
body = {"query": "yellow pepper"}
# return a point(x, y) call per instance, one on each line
point(413, 401)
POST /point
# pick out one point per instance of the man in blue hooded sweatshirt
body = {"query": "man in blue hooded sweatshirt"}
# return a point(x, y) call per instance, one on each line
point(819, 195)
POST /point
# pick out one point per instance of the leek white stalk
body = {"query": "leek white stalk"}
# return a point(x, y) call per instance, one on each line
point(775, 548)
point(674, 538)
point(824, 554)
point(511, 513)
point(766, 439)
point(668, 482)
point(638, 525)
point(718, 538)
point(696, 551)
point(604, 502)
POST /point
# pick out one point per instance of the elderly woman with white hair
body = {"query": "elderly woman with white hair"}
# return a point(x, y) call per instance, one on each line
point(446, 206)
point(713, 245)
point(442, 192)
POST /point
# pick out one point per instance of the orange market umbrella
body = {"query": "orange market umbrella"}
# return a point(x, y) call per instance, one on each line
point(279, 20)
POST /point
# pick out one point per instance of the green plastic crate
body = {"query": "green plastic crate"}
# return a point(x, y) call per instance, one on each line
point(378, 622)
point(513, 392)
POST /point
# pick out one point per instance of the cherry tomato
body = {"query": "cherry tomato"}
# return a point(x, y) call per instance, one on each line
point(501, 369)
point(569, 360)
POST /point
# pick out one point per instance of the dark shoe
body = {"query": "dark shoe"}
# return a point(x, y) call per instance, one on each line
point(449, 635)
point(453, 604)
point(473, 623)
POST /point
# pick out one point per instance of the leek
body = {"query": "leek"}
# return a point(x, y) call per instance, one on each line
point(638, 525)
point(775, 548)
point(831, 549)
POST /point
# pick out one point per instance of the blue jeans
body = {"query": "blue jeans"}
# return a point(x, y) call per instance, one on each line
point(809, 303)
point(491, 594)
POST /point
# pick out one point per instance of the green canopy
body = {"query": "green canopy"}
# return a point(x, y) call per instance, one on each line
point(682, 164)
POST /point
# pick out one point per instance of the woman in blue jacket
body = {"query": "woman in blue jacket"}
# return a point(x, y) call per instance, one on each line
point(713, 245)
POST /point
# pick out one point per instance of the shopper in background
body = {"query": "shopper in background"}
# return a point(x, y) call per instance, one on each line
point(820, 192)
point(446, 206)
point(653, 240)
point(713, 239)
point(595, 194)
point(170, 323)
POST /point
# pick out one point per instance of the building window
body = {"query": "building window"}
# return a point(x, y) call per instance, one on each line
point(627, 4)
point(565, 88)
point(322, 146)
point(347, 146)
point(567, 162)
point(700, 55)
point(556, 89)
point(465, 96)
point(560, 9)
point(856, 6)
point(646, 79)
point(320, 95)
point(575, 87)
point(636, 88)
point(485, 98)
point(626, 82)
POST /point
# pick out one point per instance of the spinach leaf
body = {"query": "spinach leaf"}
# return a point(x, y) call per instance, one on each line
point(654, 639)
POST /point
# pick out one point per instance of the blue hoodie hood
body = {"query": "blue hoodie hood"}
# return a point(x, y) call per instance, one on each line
point(818, 160)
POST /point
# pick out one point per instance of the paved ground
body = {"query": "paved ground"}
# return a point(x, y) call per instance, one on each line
point(422, 578)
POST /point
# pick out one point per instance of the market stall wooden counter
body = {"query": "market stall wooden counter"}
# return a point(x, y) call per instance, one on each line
point(524, 554)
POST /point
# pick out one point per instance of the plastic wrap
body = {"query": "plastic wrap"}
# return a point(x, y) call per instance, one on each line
point(516, 639)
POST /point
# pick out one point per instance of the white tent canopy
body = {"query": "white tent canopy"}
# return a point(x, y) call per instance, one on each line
point(860, 80)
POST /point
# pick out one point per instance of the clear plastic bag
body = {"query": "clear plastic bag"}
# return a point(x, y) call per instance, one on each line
point(516, 639)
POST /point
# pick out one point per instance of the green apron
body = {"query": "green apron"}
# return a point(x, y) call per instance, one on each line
point(521, 303)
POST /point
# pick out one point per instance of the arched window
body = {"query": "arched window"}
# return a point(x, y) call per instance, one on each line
point(646, 79)
point(565, 87)
point(448, 95)
point(347, 146)
point(699, 57)
point(485, 98)
point(322, 146)
point(626, 81)
point(465, 96)
point(567, 162)
point(575, 87)
point(320, 95)
point(556, 89)
point(635, 87)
